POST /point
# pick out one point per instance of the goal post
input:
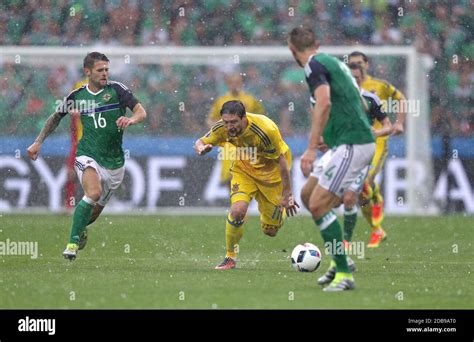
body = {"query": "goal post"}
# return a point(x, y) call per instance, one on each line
point(412, 78)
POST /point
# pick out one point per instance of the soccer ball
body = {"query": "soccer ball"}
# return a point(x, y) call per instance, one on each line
point(306, 257)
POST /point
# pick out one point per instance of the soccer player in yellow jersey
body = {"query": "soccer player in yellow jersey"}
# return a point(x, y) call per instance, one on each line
point(373, 211)
point(252, 105)
point(261, 170)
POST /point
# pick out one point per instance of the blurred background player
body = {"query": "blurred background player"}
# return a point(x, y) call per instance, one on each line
point(338, 115)
point(76, 134)
point(261, 171)
point(99, 161)
point(373, 210)
point(234, 84)
point(381, 127)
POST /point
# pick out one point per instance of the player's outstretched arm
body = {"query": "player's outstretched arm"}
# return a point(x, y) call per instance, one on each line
point(201, 148)
point(139, 114)
point(288, 201)
point(49, 127)
point(319, 119)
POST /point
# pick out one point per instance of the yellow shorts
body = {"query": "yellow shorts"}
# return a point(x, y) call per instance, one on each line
point(381, 153)
point(268, 196)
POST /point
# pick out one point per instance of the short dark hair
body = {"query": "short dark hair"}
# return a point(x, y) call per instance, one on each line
point(233, 107)
point(302, 38)
point(358, 53)
point(93, 57)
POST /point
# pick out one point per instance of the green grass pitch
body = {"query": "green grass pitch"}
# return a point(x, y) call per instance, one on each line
point(158, 262)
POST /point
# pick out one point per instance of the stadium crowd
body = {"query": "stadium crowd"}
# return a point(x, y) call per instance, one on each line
point(441, 29)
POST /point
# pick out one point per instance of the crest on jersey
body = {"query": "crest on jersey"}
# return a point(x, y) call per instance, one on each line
point(107, 97)
point(235, 187)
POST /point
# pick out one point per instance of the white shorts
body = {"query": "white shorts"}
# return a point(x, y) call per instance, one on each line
point(318, 167)
point(110, 179)
point(345, 168)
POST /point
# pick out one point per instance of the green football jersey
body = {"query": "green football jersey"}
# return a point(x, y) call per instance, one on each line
point(101, 137)
point(347, 123)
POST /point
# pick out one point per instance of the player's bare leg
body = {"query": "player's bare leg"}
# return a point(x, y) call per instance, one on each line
point(307, 190)
point(233, 233)
point(83, 212)
point(306, 193)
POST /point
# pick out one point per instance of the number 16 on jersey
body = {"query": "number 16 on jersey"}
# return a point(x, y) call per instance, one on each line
point(100, 121)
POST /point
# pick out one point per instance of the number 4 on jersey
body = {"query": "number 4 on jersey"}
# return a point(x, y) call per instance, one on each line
point(329, 172)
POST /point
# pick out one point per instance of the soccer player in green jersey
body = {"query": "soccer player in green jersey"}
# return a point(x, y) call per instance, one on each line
point(381, 127)
point(339, 120)
point(99, 163)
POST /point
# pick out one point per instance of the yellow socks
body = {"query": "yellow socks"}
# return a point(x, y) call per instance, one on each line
point(233, 233)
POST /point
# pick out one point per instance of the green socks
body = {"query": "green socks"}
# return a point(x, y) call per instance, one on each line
point(82, 215)
point(350, 219)
point(332, 235)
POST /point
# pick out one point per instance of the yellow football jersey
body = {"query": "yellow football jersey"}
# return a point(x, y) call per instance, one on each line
point(384, 91)
point(251, 104)
point(258, 147)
